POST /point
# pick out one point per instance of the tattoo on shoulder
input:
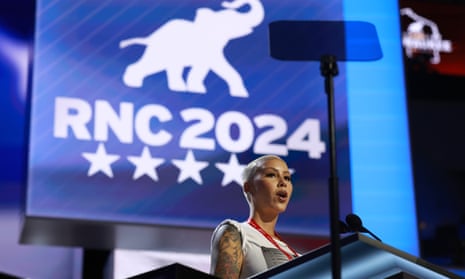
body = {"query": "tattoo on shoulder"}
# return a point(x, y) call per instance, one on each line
point(231, 235)
point(230, 253)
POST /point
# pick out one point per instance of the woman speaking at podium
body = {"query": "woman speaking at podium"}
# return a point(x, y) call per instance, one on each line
point(242, 249)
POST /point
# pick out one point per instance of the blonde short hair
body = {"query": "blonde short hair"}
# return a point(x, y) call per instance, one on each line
point(251, 168)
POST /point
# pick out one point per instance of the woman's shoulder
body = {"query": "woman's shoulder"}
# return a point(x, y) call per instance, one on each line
point(230, 222)
point(231, 225)
point(228, 228)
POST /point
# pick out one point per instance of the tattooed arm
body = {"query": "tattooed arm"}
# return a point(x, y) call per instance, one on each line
point(226, 257)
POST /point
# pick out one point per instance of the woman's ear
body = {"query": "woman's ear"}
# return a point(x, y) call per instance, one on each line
point(246, 187)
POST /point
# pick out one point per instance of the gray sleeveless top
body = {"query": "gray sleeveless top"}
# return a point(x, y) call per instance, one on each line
point(259, 253)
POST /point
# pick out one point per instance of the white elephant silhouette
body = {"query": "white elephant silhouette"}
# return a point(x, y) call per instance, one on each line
point(198, 44)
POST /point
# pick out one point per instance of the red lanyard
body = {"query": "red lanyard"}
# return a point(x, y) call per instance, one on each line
point(265, 234)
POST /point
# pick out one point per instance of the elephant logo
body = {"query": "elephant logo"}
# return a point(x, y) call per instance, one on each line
point(198, 45)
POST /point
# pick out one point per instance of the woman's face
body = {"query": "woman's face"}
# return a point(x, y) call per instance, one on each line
point(271, 187)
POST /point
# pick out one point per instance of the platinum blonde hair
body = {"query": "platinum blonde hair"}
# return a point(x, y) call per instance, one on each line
point(251, 168)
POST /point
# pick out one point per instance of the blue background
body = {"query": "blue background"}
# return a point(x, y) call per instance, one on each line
point(379, 142)
point(77, 55)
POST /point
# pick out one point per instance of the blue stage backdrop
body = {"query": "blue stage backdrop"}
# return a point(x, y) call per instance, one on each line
point(145, 112)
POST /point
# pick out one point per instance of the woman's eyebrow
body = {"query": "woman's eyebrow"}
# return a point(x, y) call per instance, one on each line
point(274, 169)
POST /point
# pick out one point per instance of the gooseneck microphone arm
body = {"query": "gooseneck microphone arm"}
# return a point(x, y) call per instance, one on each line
point(355, 224)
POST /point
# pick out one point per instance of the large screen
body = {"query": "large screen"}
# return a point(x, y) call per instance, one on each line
point(146, 112)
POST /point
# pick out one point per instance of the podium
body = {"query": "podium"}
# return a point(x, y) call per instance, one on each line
point(174, 271)
point(361, 257)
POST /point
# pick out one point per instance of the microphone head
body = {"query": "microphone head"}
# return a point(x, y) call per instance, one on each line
point(355, 223)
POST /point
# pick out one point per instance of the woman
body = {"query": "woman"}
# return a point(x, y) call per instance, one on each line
point(240, 250)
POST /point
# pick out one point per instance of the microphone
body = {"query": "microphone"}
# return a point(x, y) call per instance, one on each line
point(355, 224)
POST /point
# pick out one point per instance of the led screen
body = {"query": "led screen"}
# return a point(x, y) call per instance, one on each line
point(146, 112)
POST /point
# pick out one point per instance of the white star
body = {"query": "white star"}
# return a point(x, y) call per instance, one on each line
point(100, 161)
point(145, 164)
point(190, 168)
point(232, 171)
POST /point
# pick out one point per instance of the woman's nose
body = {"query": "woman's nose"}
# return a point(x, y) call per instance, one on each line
point(282, 182)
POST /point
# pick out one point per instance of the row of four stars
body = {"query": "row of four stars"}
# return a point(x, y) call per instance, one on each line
point(145, 164)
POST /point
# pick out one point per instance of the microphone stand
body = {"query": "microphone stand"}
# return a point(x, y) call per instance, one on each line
point(329, 69)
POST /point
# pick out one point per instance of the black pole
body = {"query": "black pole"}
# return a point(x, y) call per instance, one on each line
point(328, 68)
point(94, 263)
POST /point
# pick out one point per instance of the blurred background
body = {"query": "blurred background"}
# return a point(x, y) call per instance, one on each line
point(435, 83)
point(35, 261)
point(436, 109)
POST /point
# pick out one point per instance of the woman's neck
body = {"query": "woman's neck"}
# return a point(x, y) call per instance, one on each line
point(268, 224)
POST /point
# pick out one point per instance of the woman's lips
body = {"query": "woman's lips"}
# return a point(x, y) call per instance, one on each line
point(282, 195)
